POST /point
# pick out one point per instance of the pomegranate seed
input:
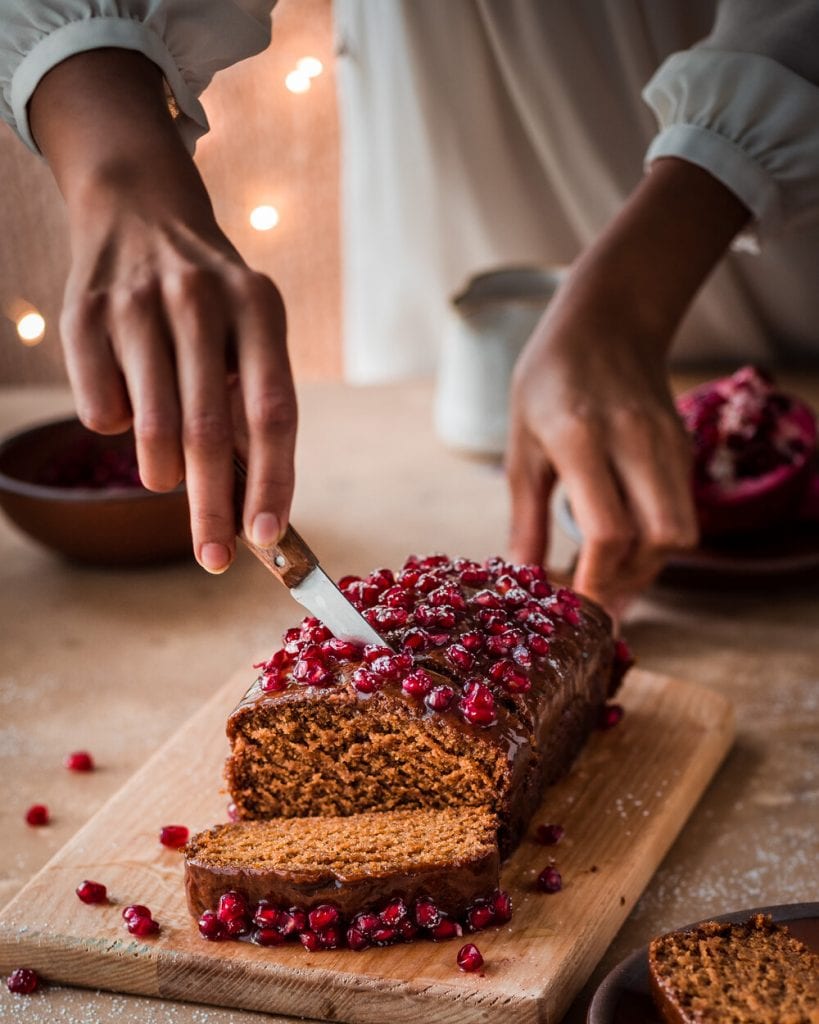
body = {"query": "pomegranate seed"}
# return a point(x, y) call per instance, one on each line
point(408, 929)
point(365, 681)
point(381, 578)
point(291, 635)
point(384, 936)
point(497, 670)
point(346, 582)
point(316, 634)
point(448, 597)
point(469, 958)
point(427, 582)
point(515, 597)
point(460, 657)
point(502, 905)
point(298, 917)
point(522, 656)
point(390, 666)
point(356, 940)
point(408, 578)
point(311, 671)
point(446, 929)
point(427, 914)
point(480, 915)
point(373, 651)
point(174, 836)
point(572, 616)
point(341, 650)
point(236, 926)
point(436, 561)
point(387, 618)
point(232, 811)
point(475, 577)
point(569, 597)
point(415, 639)
point(273, 682)
point(417, 683)
point(549, 880)
point(331, 938)
point(478, 716)
point(79, 761)
point(231, 904)
point(424, 615)
point(37, 814)
point(478, 707)
point(487, 599)
point(610, 715)
point(540, 645)
point(265, 915)
point(540, 588)
point(135, 910)
point(324, 916)
point(366, 923)
point(210, 927)
point(23, 981)
point(440, 698)
point(397, 597)
point(538, 623)
point(516, 681)
point(92, 892)
point(394, 912)
point(549, 835)
point(472, 641)
point(142, 926)
point(505, 583)
point(267, 937)
point(311, 942)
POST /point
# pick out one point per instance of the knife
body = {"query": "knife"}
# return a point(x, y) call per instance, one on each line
point(295, 565)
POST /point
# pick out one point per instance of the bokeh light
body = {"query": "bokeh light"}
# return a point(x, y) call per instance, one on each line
point(310, 66)
point(31, 327)
point(297, 81)
point(263, 218)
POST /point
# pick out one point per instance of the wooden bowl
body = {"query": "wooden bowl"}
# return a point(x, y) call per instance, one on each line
point(48, 489)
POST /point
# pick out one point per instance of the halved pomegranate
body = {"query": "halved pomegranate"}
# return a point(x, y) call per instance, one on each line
point(754, 452)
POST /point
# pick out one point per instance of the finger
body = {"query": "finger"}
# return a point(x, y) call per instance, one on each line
point(530, 480)
point(653, 460)
point(269, 409)
point(141, 342)
point(602, 516)
point(195, 310)
point(96, 380)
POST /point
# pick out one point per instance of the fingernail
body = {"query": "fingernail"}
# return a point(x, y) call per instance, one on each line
point(214, 557)
point(266, 530)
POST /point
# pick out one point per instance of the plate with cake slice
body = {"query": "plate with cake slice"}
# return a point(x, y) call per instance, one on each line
point(779, 943)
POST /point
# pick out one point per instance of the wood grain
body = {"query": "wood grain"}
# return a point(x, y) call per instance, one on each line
point(622, 805)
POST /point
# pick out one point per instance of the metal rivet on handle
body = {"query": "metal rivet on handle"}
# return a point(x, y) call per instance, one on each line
point(281, 561)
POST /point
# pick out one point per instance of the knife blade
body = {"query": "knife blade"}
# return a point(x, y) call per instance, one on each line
point(295, 565)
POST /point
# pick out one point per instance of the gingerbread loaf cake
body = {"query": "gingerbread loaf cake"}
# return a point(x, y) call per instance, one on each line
point(389, 875)
point(491, 681)
point(754, 972)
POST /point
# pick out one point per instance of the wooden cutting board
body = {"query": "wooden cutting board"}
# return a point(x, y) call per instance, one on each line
point(623, 803)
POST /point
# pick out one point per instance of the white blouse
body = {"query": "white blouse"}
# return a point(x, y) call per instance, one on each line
point(480, 134)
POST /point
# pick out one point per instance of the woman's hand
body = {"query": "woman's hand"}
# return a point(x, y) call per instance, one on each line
point(164, 326)
point(590, 397)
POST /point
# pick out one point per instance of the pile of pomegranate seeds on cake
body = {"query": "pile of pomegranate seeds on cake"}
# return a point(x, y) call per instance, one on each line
point(491, 623)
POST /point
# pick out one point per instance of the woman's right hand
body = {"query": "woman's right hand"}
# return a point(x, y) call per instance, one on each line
point(164, 326)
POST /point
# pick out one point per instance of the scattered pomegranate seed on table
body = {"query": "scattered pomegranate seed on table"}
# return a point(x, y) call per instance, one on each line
point(37, 814)
point(469, 958)
point(79, 761)
point(549, 880)
point(174, 836)
point(92, 892)
point(549, 835)
point(232, 811)
point(23, 981)
point(139, 921)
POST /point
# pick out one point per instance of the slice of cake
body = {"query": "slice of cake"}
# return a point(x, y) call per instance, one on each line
point(388, 876)
point(750, 973)
point(491, 683)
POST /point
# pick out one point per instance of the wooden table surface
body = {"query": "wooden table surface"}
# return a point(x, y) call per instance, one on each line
point(115, 660)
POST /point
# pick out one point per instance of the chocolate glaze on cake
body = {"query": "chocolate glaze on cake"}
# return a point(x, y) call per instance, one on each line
point(328, 729)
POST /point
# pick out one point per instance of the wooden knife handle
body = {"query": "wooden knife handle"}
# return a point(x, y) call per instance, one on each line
point(291, 560)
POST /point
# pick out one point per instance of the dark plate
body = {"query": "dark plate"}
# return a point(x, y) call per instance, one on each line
point(624, 997)
point(787, 554)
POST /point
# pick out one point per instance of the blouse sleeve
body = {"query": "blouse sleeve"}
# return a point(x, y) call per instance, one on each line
point(744, 105)
point(189, 40)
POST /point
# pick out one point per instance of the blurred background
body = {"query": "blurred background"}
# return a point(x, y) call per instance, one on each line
point(282, 153)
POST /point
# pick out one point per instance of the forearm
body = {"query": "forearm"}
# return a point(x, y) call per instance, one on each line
point(101, 120)
point(647, 266)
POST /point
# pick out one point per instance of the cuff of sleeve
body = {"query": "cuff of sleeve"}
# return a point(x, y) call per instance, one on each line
point(93, 34)
point(728, 163)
